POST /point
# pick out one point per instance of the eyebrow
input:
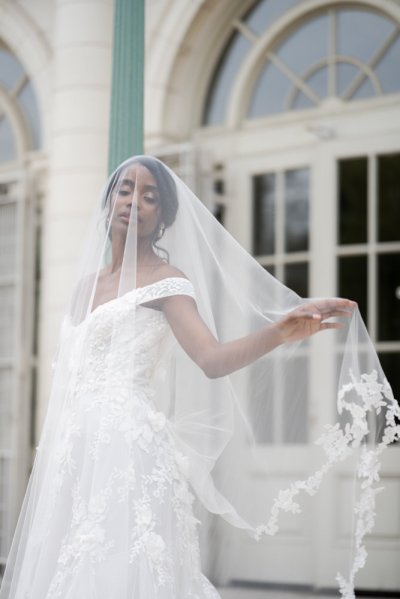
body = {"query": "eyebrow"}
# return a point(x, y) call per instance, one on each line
point(151, 188)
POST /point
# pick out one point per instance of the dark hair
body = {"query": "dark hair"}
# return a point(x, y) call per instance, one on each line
point(165, 183)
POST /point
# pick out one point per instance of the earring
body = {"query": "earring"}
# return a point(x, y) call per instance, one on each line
point(161, 231)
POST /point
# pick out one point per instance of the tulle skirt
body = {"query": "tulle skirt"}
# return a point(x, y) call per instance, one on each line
point(116, 518)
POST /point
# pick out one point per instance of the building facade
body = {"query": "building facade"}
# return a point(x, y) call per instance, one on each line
point(283, 115)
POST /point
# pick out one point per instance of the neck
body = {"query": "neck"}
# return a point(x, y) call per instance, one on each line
point(144, 253)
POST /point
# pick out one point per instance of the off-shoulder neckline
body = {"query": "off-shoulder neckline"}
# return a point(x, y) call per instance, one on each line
point(131, 291)
point(156, 283)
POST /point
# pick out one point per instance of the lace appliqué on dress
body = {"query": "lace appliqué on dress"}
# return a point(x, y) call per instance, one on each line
point(164, 288)
point(85, 539)
point(110, 418)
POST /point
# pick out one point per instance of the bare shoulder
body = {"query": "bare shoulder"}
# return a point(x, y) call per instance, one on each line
point(169, 271)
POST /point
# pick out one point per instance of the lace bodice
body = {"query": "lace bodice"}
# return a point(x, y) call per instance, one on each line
point(122, 341)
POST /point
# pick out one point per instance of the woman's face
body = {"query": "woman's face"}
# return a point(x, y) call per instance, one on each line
point(136, 199)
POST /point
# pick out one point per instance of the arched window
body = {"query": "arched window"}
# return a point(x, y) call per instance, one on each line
point(18, 96)
point(297, 74)
point(20, 136)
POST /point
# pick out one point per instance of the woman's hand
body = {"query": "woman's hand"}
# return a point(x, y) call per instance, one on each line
point(310, 319)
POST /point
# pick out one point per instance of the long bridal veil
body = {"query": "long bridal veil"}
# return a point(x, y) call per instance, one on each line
point(270, 448)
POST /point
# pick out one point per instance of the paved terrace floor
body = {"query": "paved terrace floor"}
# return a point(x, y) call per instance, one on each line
point(254, 593)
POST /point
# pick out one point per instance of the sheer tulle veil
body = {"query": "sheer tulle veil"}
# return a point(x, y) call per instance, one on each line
point(256, 446)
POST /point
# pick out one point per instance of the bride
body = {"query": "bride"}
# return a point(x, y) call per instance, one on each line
point(174, 352)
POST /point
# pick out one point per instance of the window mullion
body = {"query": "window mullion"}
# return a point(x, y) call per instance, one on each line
point(20, 86)
point(369, 68)
point(380, 53)
point(332, 54)
point(294, 78)
point(245, 31)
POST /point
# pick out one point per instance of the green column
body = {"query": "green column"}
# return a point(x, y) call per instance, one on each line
point(126, 119)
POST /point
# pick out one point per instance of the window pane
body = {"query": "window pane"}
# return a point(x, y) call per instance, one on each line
point(318, 82)
point(387, 69)
point(28, 104)
point(295, 420)
point(6, 394)
point(263, 419)
point(296, 278)
point(352, 281)
point(360, 33)
point(223, 79)
point(390, 364)
point(8, 242)
point(353, 201)
point(301, 101)
point(388, 300)
point(5, 494)
point(219, 213)
point(7, 321)
point(270, 268)
point(264, 214)
point(11, 71)
point(266, 12)
point(389, 197)
point(270, 92)
point(345, 75)
point(366, 90)
point(296, 210)
point(297, 51)
point(8, 144)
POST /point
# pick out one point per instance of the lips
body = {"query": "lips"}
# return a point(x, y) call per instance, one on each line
point(127, 216)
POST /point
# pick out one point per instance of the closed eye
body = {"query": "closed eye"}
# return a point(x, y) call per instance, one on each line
point(151, 199)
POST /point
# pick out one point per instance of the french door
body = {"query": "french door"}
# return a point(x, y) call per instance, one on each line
point(323, 220)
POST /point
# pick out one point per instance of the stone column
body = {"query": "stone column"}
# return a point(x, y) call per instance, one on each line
point(78, 158)
point(126, 126)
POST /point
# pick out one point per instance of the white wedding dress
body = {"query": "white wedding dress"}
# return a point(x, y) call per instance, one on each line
point(134, 428)
point(117, 463)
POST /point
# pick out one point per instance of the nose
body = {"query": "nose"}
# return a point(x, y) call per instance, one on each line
point(136, 200)
point(133, 200)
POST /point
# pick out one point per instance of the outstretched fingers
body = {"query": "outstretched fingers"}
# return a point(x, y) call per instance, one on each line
point(332, 313)
point(332, 308)
point(331, 325)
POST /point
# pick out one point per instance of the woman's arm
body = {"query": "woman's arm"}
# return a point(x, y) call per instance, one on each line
point(219, 359)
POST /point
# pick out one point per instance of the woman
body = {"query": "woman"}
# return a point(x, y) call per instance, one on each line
point(164, 369)
point(153, 215)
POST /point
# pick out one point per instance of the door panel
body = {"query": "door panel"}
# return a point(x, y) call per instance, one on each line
point(308, 553)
